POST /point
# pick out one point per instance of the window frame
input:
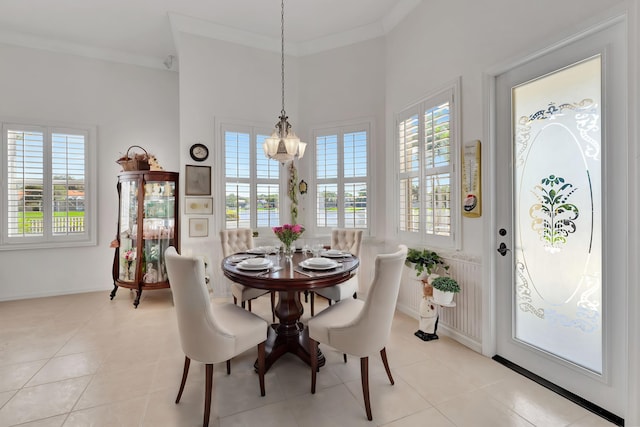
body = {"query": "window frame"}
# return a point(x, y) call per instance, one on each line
point(450, 93)
point(253, 130)
point(340, 129)
point(48, 240)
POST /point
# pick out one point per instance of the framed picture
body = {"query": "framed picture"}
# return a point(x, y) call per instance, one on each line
point(198, 180)
point(198, 205)
point(198, 227)
point(471, 180)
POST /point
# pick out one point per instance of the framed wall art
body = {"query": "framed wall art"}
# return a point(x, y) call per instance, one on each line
point(471, 179)
point(198, 227)
point(197, 180)
point(198, 205)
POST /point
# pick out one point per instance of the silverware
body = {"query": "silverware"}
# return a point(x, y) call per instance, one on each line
point(304, 272)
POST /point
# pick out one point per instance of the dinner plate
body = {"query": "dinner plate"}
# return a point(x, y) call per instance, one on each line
point(238, 258)
point(255, 264)
point(256, 251)
point(325, 266)
point(334, 253)
point(319, 261)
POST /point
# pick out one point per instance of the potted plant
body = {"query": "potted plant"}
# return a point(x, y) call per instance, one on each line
point(424, 260)
point(444, 287)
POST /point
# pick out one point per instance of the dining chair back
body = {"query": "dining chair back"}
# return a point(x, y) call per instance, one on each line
point(210, 333)
point(347, 240)
point(362, 328)
point(241, 240)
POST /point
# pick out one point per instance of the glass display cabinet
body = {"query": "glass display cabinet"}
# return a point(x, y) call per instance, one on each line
point(147, 225)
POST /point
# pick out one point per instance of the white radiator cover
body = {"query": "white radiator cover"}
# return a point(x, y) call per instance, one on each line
point(462, 322)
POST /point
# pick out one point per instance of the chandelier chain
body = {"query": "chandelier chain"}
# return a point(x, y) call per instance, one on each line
point(282, 52)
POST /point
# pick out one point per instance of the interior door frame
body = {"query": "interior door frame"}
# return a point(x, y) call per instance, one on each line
point(489, 319)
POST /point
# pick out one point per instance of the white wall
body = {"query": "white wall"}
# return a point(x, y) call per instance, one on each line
point(346, 85)
point(129, 105)
point(440, 41)
point(221, 81)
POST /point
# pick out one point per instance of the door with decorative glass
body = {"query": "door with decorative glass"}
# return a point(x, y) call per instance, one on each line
point(561, 212)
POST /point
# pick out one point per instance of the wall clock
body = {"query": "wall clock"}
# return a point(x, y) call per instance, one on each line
point(199, 152)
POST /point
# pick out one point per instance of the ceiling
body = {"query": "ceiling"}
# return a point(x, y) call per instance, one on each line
point(141, 31)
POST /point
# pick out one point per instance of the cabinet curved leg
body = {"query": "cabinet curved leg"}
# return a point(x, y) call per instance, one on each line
point(138, 295)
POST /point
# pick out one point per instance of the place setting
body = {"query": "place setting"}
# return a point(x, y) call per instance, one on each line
point(317, 265)
point(336, 254)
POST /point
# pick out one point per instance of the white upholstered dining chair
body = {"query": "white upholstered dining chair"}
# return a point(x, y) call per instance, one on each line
point(241, 240)
point(347, 240)
point(358, 327)
point(210, 333)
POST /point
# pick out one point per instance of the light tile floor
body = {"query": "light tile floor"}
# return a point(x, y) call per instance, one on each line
point(83, 360)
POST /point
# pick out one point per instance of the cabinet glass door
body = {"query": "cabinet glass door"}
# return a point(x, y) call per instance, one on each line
point(128, 230)
point(157, 228)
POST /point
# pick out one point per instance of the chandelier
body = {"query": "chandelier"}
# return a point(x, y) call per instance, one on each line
point(283, 145)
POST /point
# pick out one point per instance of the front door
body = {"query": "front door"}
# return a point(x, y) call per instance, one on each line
point(561, 216)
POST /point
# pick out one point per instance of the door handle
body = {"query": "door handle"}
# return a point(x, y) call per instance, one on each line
point(503, 249)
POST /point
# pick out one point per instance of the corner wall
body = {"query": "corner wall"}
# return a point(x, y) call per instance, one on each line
point(129, 105)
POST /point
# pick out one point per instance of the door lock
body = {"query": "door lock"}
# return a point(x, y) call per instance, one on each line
point(503, 249)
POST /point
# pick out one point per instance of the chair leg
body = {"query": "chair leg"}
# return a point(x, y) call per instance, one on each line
point(229, 367)
point(242, 304)
point(261, 365)
point(312, 294)
point(306, 295)
point(207, 394)
point(355, 295)
point(273, 306)
point(235, 301)
point(185, 371)
point(383, 354)
point(344, 356)
point(249, 305)
point(364, 373)
point(330, 302)
point(313, 353)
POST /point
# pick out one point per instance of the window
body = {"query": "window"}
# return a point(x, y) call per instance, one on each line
point(426, 164)
point(49, 194)
point(252, 185)
point(342, 178)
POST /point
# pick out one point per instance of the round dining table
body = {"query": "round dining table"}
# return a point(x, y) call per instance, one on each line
point(289, 278)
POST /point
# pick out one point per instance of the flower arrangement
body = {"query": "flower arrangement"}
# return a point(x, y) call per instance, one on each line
point(288, 233)
point(130, 256)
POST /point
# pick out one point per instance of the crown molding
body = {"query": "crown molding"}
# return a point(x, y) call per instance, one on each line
point(77, 49)
point(185, 24)
point(189, 25)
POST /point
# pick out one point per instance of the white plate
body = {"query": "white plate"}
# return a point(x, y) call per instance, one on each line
point(256, 251)
point(329, 266)
point(247, 264)
point(319, 261)
point(238, 258)
point(334, 253)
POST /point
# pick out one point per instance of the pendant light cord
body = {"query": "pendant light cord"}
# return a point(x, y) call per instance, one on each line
point(282, 53)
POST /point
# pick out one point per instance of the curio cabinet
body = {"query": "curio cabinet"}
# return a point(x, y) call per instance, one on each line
point(147, 226)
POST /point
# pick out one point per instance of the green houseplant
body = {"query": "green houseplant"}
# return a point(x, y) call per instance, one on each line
point(424, 260)
point(444, 287)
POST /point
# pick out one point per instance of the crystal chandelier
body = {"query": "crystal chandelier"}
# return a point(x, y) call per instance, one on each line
point(283, 145)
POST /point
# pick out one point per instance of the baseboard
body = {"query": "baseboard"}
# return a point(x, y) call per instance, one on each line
point(56, 293)
point(611, 417)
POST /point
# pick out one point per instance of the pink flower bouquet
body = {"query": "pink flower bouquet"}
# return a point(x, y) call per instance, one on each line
point(288, 233)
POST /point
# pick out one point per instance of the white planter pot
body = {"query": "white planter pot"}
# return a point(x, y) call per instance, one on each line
point(444, 298)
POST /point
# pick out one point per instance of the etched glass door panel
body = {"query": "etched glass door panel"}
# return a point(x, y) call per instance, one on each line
point(558, 212)
point(562, 203)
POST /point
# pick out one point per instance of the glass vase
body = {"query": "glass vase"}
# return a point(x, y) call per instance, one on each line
point(288, 252)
